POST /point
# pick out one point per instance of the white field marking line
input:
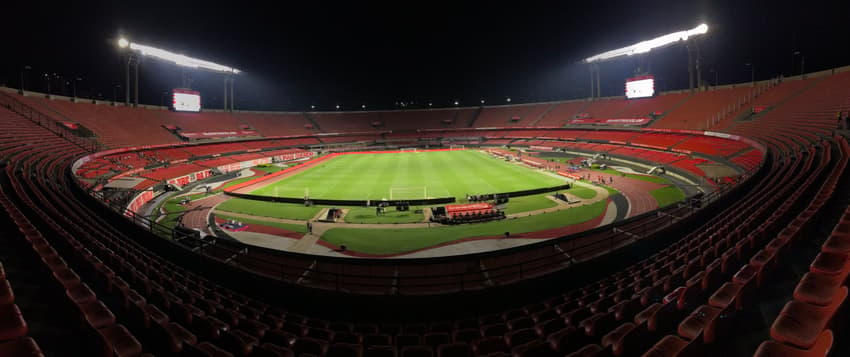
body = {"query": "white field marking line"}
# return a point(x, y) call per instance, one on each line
point(432, 182)
point(324, 188)
point(493, 189)
point(525, 170)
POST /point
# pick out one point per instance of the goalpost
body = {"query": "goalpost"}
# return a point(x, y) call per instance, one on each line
point(457, 147)
point(408, 193)
point(407, 150)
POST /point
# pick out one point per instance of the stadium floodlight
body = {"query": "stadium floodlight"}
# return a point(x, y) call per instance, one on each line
point(649, 45)
point(180, 60)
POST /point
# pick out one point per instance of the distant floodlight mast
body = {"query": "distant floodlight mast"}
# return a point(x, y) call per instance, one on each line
point(643, 47)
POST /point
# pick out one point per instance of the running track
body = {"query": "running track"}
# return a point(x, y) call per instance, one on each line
point(636, 191)
point(198, 210)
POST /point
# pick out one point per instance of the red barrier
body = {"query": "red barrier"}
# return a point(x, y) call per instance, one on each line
point(468, 207)
point(218, 134)
point(617, 121)
point(569, 175)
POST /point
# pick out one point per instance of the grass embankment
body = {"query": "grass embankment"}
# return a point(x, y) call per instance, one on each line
point(392, 241)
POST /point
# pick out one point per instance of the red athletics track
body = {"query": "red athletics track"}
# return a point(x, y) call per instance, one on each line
point(636, 191)
point(258, 228)
point(198, 210)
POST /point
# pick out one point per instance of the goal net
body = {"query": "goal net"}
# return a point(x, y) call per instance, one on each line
point(457, 147)
point(408, 193)
point(407, 150)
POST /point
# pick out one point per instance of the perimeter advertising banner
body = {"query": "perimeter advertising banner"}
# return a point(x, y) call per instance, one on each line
point(618, 121)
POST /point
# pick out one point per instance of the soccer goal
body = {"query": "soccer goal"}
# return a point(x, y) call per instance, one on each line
point(407, 150)
point(457, 147)
point(408, 193)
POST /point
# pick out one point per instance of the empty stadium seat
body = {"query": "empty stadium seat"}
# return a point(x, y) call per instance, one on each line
point(800, 323)
point(12, 324)
point(820, 348)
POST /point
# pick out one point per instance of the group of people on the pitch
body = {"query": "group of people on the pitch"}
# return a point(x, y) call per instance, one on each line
point(478, 198)
point(599, 179)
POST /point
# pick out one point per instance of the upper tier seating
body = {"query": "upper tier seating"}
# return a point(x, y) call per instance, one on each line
point(512, 115)
point(809, 114)
point(347, 122)
point(694, 112)
point(606, 108)
point(117, 126)
point(203, 121)
point(561, 113)
point(426, 119)
point(641, 108)
point(277, 124)
point(768, 99)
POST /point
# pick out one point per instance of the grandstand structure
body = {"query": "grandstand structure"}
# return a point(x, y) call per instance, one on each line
point(672, 282)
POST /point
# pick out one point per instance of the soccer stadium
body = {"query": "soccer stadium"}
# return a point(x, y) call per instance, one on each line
point(377, 203)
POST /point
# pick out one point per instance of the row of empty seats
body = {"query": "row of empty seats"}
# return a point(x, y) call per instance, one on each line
point(802, 327)
point(13, 326)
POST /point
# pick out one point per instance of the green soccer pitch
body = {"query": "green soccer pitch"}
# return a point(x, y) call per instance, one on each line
point(407, 176)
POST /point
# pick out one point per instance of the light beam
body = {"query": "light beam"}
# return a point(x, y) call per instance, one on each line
point(178, 59)
point(649, 45)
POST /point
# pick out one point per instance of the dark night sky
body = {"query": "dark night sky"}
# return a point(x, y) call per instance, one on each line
point(349, 53)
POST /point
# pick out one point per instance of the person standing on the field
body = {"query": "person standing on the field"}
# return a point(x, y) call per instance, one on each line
point(309, 227)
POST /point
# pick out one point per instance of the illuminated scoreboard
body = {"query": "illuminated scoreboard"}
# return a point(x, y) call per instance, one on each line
point(640, 87)
point(185, 100)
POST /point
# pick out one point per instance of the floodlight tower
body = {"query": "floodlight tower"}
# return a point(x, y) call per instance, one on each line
point(594, 81)
point(131, 50)
point(228, 93)
point(693, 64)
point(687, 36)
point(130, 61)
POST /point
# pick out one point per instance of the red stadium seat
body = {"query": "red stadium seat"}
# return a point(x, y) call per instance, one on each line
point(800, 324)
point(12, 324)
point(773, 348)
point(7, 295)
point(20, 347)
point(118, 341)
